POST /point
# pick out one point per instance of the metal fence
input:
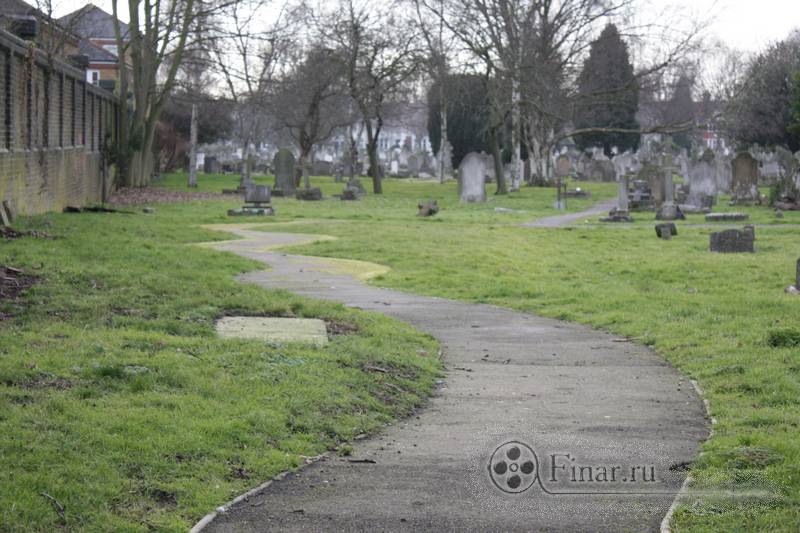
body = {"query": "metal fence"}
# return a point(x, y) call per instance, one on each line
point(56, 131)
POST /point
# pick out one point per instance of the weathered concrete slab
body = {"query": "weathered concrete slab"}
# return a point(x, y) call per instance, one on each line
point(270, 329)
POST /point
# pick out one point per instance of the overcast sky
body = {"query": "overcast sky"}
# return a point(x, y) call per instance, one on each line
point(742, 24)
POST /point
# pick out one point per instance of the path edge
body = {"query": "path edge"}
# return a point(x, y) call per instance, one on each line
point(666, 526)
point(224, 508)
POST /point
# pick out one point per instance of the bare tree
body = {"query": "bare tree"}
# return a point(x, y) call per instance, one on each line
point(530, 52)
point(311, 102)
point(247, 53)
point(157, 37)
point(379, 56)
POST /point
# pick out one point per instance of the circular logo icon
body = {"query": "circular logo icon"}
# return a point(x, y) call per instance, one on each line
point(513, 467)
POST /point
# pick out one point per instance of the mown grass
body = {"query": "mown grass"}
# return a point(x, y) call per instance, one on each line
point(118, 400)
point(722, 319)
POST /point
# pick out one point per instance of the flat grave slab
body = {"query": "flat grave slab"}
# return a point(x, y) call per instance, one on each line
point(269, 329)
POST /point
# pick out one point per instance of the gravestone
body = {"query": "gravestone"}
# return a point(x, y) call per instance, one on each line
point(726, 217)
point(666, 230)
point(744, 179)
point(472, 178)
point(310, 194)
point(258, 202)
point(394, 167)
point(787, 188)
point(669, 209)
point(702, 179)
point(322, 168)
point(413, 166)
point(353, 190)
point(654, 177)
point(563, 166)
point(349, 194)
point(724, 172)
point(600, 170)
point(283, 164)
point(733, 241)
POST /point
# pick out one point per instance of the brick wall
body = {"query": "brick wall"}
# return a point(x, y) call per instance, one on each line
point(54, 131)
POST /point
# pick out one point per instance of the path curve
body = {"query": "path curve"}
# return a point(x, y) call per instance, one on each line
point(558, 387)
point(557, 221)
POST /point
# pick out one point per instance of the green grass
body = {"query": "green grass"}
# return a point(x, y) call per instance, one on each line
point(123, 290)
point(118, 400)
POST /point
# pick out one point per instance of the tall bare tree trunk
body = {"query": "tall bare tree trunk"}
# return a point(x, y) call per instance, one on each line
point(497, 157)
point(516, 153)
point(193, 148)
point(443, 125)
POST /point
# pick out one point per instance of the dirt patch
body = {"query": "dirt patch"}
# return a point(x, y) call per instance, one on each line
point(9, 234)
point(336, 327)
point(42, 381)
point(155, 195)
point(13, 282)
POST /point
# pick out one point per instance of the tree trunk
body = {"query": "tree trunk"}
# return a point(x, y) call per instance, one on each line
point(193, 149)
point(304, 153)
point(443, 125)
point(372, 150)
point(372, 153)
point(497, 156)
point(516, 156)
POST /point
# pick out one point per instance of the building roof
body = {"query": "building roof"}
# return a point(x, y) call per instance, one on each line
point(18, 8)
point(96, 54)
point(91, 22)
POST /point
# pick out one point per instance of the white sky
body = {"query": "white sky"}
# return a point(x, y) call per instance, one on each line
point(742, 24)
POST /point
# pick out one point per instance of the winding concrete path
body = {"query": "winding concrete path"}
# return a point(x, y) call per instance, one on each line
point(557, 387)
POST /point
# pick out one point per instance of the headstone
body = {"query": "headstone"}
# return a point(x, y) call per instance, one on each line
point(600, 170)
point(427, 209)
point(322, 168)
point(472, 177)
point(703, 179)
point(724, 172)
point(669, 209)
point(744, 179)
point(413, 166)
point(394, 167)
point(733, 241)
point(726, 217)
point(666, 230)
point(310, 194)
point(797, 280)
point(563, 166)
point(283, 164)
point(257, 200)
point(349, 194)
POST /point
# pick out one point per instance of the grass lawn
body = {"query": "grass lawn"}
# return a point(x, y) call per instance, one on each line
point(157, 448)
point(118, 400)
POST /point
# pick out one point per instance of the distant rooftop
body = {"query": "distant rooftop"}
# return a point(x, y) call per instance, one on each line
point(91, 22)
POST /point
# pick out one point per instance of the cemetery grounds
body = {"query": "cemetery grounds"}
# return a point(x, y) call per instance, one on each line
point(120, 409)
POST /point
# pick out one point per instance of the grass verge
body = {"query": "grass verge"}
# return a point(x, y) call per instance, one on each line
point(119, 404)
